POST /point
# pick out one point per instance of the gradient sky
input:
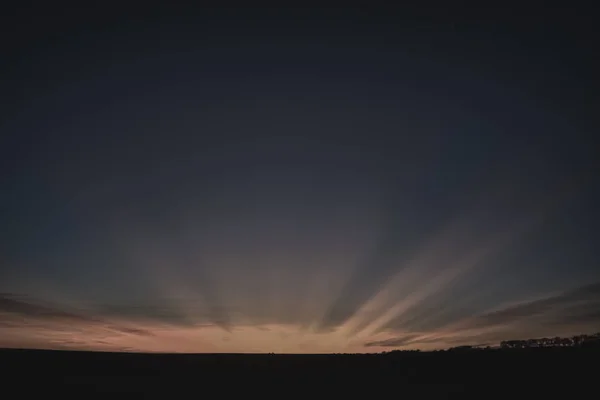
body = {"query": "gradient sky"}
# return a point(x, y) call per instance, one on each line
point(296, 181)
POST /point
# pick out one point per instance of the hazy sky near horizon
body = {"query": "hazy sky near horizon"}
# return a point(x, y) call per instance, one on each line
point(277, 182)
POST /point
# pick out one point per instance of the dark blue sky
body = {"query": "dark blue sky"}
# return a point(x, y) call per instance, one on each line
point(346, 178)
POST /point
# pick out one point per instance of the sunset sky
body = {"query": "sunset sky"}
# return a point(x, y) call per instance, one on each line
point(297, 182)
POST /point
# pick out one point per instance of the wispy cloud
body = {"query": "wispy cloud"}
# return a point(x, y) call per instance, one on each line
point(570, 312)
point(29, 323)
point(25, 322)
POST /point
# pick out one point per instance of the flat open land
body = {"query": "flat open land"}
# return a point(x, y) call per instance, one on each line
point(572, 372)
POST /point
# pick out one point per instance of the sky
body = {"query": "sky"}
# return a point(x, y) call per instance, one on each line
point(297, 181)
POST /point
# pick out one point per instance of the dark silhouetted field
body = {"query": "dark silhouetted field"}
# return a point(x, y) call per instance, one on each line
point(569, 372)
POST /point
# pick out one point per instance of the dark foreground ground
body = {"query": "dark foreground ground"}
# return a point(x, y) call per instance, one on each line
point(571, 372)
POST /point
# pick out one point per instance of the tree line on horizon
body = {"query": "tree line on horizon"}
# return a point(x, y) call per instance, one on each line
point(573, 341)
point(591, 340)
